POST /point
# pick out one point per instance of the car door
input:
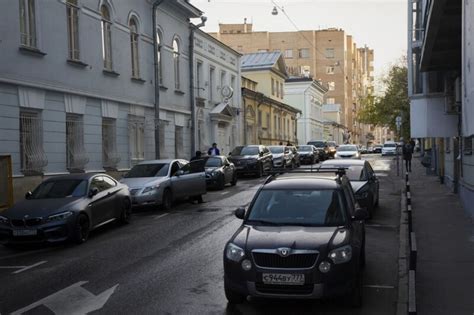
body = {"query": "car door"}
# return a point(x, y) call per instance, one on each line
point(373, 181)
point(357, 226)
point(113, 203)
point(195, 173)
point(267, 158)
point(228, 171)
point(178, 181)
point(100, 204)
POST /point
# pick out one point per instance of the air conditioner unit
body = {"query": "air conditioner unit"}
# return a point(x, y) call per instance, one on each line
point(452, 95)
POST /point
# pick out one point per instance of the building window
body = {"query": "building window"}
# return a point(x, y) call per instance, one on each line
point(72, 11)
point(179, 141)
point(199, 78)
point(330, 100)
point(136, 129)
point(106, 25)
point(176, 53)
point(223, 82)
point(260, 118)
point(32, 156)
point(76, 157)
point(468, 145)
point(158, 57)
point(28, 23)
point(277, 88)
point(303, 53)
point(330, 53)
point(281, 90)
point(212, 72)
point(232, 85)
point(133, 25)
point(273, 86)
point(267, 122)
point(331, 86)
point(289, 53)
point(110, 157)
point(330, 70)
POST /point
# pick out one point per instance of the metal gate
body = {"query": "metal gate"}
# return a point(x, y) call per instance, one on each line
point(6, 184)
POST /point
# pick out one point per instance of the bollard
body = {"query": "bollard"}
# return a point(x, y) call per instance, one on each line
point(411, 293)
point(413, 251)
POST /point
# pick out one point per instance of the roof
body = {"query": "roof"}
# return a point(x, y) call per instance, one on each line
point(263, 61)
point(299, 181)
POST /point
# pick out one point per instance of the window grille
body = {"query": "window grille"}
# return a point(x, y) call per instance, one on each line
point(33, 158)
point(106, 26)
point(136, 126)
point(289, 53)
point(28, 23)
point(110, 157)
point(76, 155)
point(73, 29)
point(176, 54)
point(134, 48)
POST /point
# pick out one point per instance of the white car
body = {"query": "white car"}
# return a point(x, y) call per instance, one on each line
point(389, 148)
point(347, 151)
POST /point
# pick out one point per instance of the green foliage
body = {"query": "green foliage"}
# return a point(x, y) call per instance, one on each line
point(383, 110)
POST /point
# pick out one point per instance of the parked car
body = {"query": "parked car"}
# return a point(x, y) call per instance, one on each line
point(252, 159)
point(363, 180)
point(370, 149)
point(347, 151)
point(296, 155)
point(389, 148)
point(161, 182)
point(363, 150)
point(219, 171)
point(66, 208)
point(378, 148)
point(308, 154)
point(332, 145)
point(323, 148)
point(282, 156)
point(302, 237)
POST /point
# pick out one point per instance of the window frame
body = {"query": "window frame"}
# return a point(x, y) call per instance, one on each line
point(72, 18)
point(134, 46)
point(176, 62)
point(28, 27)
point(106, 30)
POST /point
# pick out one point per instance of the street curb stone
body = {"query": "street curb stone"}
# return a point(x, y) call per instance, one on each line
point(402, 304)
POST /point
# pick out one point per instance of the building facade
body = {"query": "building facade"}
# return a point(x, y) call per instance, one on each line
point(77, 85)
point(307, 95)
point(333, 129)
point(441, 90)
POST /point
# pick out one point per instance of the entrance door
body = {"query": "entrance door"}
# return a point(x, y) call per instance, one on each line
point(223, 140)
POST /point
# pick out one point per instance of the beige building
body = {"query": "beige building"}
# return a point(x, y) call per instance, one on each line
point(329, 56)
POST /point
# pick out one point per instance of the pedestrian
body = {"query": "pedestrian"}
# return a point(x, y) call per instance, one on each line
point(281, 142)
point(198, 156)
point(288, 143)
point(407, 151)
point(214, 150)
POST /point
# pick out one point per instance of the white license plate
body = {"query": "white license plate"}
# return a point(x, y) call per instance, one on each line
point(278, 278)
point(24, 232)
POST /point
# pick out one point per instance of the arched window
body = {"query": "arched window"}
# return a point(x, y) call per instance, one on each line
point(158, 57)
point(106, 24)
point(133, 25)
point(176, 53)
point(73, 29)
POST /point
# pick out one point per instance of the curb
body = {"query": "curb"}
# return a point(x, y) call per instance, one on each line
point(402, 304)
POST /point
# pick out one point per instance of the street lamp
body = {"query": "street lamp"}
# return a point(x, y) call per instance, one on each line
point(275, 11)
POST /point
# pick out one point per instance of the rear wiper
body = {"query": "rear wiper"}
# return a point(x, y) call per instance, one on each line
point(263, 222)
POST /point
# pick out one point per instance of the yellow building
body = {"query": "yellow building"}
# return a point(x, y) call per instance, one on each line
point(268, 120)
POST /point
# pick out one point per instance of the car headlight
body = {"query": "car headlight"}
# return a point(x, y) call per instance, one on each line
point(215, 173)
point(234, 252)
point(150, 188)
point(60, 216)
point(341, 255)
point(4, 220)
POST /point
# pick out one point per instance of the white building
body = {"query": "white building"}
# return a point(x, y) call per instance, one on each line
point(333, 129)
point(307, 95)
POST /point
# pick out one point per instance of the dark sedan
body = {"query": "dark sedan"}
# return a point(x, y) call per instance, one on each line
point(66, 208)
point(308, 154)
point(252, 159)
point(219, 172)
point(363, 179)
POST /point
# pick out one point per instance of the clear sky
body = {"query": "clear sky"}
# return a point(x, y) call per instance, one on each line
point(379, 24)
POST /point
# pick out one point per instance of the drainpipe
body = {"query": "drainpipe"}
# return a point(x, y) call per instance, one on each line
point(192, 29)
point(157, 79)
point(245, 116)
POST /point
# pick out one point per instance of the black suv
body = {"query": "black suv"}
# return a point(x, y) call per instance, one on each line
point(323, 148)
point(303, 236)
point(252, 159)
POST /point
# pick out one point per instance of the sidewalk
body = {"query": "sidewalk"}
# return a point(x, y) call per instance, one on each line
point(445, 240)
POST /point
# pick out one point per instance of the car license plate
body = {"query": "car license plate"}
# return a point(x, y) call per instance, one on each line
point(24, 232)
point(287, 279)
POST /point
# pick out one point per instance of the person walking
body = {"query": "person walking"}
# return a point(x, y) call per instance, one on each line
point(214, 150)
point(407, 151)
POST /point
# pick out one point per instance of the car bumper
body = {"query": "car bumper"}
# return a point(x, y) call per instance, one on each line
point(153, 198)
point(247, 169)
point(307, 159)
point(46, 233)
point(389, 153)
point(279, 164)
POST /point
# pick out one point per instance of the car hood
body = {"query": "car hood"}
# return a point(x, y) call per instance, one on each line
point(40, 207)
point(347, 152)
point(211, 169)
point(389, 149)
point(295, 237)
point(277, 155)
point(140, 182)
point(304, 153)
point(244, 157)
point(356, 185)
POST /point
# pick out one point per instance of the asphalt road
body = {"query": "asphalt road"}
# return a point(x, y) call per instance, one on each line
point(171, 263)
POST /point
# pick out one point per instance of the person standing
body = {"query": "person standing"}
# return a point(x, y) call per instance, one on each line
point(198, 156)
point(407, 151)
point(213, 150)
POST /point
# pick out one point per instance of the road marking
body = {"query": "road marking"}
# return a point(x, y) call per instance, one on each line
point(376, 286)
point(72, 300)
point(26, 254)
point(160, 216)
point(22, 268)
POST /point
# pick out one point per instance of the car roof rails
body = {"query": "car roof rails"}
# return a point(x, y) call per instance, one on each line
point(339, 171)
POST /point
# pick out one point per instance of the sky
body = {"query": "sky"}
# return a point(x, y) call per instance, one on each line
point(379, 24)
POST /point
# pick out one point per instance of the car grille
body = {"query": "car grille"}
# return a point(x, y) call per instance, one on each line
point(268, 260)
point(27, 222)
point(284, 289)
point(134, 191)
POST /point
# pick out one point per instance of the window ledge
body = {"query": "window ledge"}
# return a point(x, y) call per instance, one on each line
point(163, 88)
point(468, 152)
point(110, 73)
point(179, 92)
point(32, 51)
point(77, 63)
point(137, 80)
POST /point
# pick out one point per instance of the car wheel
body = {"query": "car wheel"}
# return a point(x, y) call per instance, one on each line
point(167, 200)
point(81, 229)
point(126, 212)
point(234, 180)
point(354, 298)
point(221, 182)
point(232, 296)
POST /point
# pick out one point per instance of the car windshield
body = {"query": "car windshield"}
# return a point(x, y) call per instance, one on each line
point(317, 144)
point(305, 148)
point(331, 143)
point(148, 170)
point(213, 162)
point(346, 148)
point(353, 172)
point(60, 189)
point(389, 145)
point(298, 207)
point(276, 150)
point(245, 151)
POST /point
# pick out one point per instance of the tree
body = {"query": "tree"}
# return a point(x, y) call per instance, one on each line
point(383, 110)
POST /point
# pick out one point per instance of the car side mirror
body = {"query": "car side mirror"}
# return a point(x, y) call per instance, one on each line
point(360, 214)
point(179, 173)
point(28, 195)
point(240, 213)
point(94, 191)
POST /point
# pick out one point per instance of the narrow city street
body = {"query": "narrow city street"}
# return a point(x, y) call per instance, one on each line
point(171, 262)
